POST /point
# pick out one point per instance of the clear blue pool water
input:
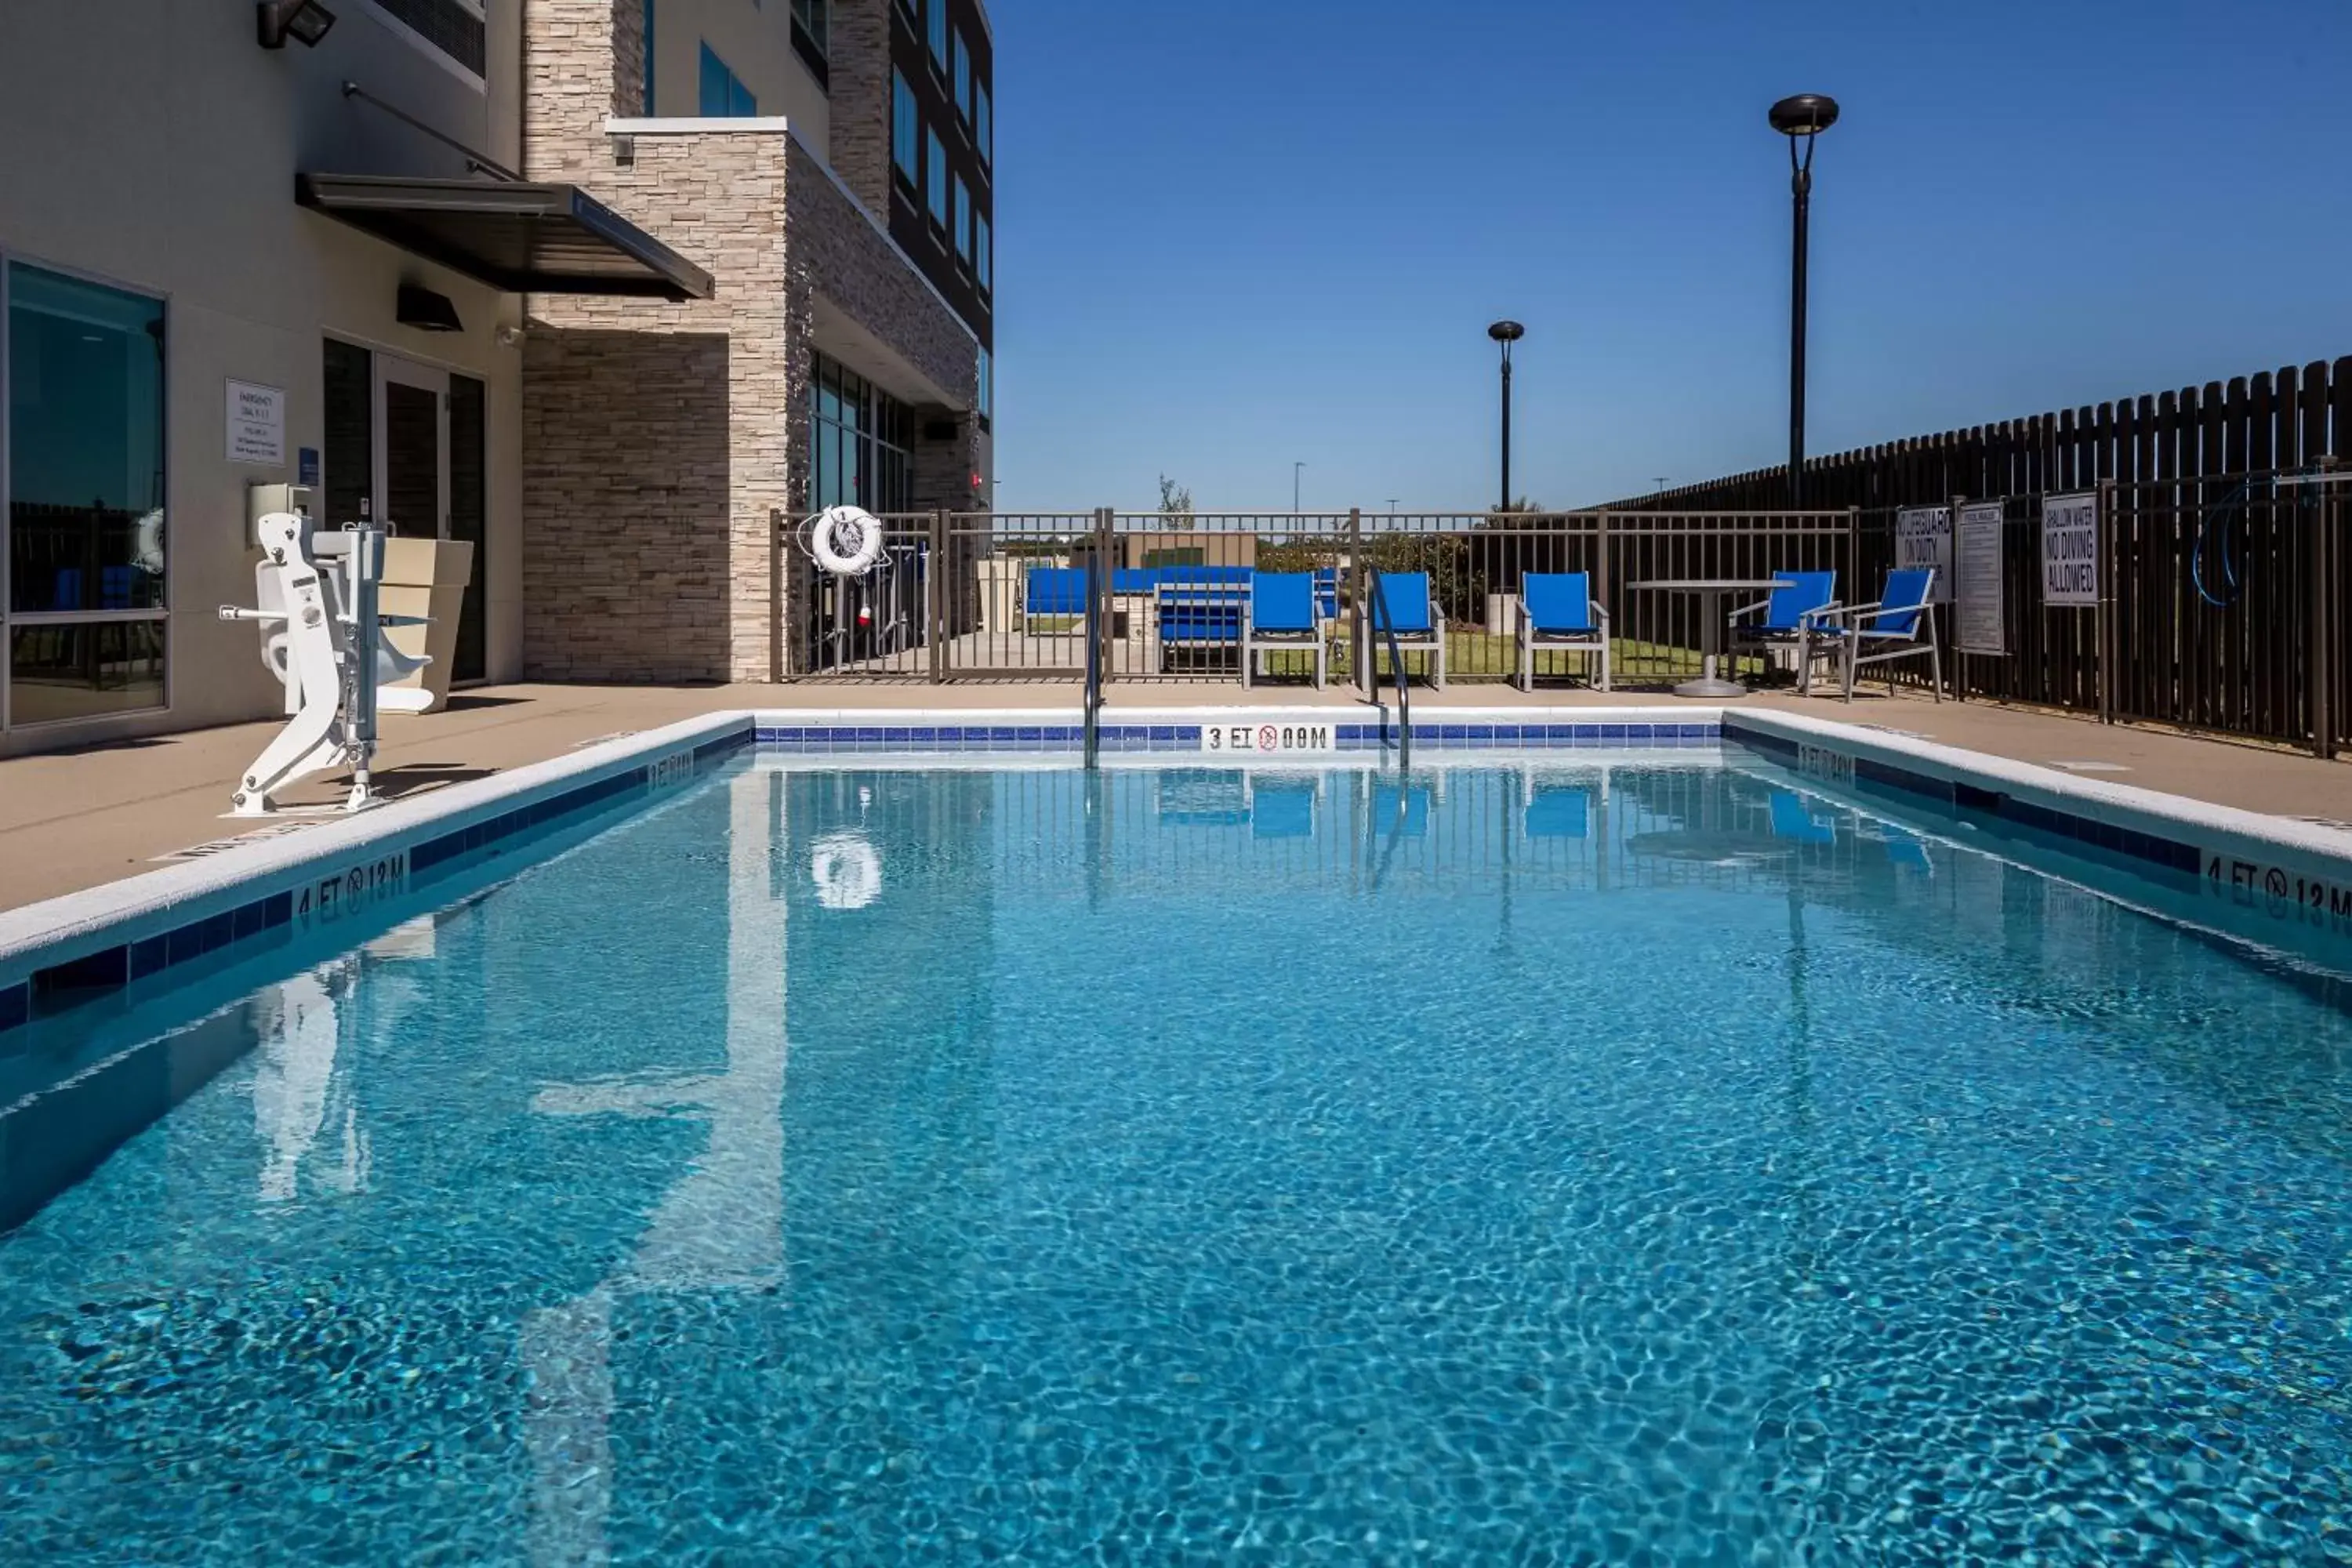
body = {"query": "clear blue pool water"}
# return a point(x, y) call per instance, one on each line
point(1643, 1164)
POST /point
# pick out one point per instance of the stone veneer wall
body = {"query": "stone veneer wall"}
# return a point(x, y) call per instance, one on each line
point(659, 438)
point(858, 55)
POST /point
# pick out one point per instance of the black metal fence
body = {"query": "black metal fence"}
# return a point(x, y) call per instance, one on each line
point(2223, 605)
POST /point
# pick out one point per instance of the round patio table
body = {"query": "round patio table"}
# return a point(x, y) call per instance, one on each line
point(1710, 592)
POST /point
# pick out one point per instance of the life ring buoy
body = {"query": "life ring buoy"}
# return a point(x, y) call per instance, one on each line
point(846, 540)
point(846, 871)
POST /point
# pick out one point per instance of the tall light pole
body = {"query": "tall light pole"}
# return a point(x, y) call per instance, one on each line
point(1296, 469)
point(1505, 334)
point(1799, 119)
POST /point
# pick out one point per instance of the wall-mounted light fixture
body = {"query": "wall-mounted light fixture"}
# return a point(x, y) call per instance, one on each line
point(425, 311)
point(304, 21)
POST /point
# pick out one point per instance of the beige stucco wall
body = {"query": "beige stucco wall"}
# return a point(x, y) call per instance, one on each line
point(756, 42)
point(183, 187)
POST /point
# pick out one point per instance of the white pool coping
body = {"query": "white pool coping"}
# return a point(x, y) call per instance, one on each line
point(62, 929)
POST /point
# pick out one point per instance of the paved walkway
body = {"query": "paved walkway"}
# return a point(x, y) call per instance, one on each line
point(72, 819)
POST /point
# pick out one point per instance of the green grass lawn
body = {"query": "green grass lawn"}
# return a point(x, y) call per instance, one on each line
point(1481, 656)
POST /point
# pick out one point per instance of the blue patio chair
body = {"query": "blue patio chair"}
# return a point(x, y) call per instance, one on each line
point(1901, 624)
point(1402, 603)
point(1200, 618)
point(1280, 618)
point(67, 591)
point(1559, 811)
point(1053, 592)
point(1327, 593)
point(1779, 620)
point(1793, 822)
point(1557, 611)
point(1283, 808)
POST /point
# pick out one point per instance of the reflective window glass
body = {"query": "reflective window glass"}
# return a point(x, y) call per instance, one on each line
point(86, 446)
point(77, 669)
point(906, 129)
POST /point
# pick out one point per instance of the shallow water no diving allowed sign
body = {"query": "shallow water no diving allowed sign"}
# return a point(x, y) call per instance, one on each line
point(1262, 738)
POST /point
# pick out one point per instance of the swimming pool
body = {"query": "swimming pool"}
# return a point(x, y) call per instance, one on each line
point(1623, 1158)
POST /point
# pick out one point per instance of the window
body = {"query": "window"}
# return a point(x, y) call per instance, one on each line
point(982, 132)
point(980, 265)
point(935, 184)
point(935, 12)
point(724, 96)
point(86, 534)
point(810, 17)
point(963, 220)
point(649, 60)
point(963, 53)
point(811, 37)
point(454, 28)
point(987, 388)
point(906, 131)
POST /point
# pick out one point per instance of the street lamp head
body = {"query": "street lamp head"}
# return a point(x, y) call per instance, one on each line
point(1506, 332)
point(1806, 114)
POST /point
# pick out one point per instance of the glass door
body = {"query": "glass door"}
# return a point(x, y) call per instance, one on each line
point(429, 477)
point(412, 449)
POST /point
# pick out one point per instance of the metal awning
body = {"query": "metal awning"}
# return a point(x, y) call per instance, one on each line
point(535, 239)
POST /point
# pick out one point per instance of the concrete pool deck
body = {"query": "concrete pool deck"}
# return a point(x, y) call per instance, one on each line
point(74, 819)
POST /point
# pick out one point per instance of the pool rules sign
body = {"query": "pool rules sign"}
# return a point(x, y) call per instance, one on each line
point(2070, 552)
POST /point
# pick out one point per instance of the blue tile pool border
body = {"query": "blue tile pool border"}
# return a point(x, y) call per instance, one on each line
point(859, 738)
point(1959, 797)
point(141, 947)
point(136, 931)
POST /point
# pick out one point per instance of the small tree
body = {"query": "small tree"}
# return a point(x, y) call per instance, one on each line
point(1175, 506)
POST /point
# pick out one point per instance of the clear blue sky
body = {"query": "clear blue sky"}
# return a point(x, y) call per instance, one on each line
point(1233, 234)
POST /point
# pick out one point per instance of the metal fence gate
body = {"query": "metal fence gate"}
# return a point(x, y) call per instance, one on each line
point(2223, 601)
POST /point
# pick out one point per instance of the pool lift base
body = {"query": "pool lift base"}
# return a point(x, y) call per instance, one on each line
point(315, 598)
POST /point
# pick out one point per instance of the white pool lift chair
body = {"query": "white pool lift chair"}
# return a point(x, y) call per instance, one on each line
point(315, 599)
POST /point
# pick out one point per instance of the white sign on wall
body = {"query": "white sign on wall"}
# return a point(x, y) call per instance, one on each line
point(257, 424)
point(1923, 537)
point(1975, 578)
point(2070, 551)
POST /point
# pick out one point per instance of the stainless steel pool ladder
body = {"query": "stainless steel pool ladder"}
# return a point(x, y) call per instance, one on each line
point(1396, 668)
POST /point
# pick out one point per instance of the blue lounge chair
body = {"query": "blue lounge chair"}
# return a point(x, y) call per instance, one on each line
point(1053, 592)
point(1901, 624)
point(1780, 621)
point(1557, 611)
point(1282, 808)
point(1559, 811)
point(1280, 618)
point(1420, 625)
